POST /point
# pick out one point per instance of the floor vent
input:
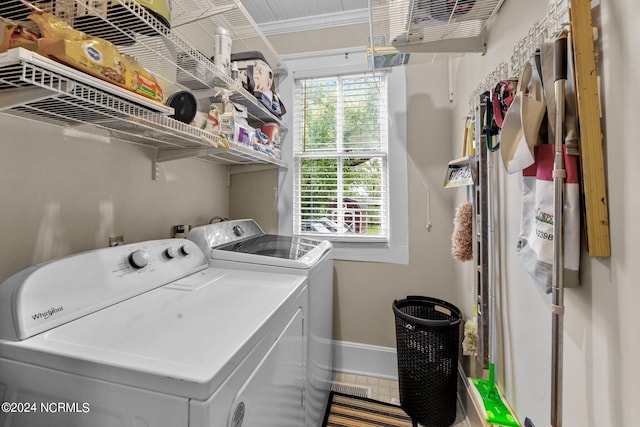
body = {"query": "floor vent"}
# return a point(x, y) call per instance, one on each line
point(351, 389)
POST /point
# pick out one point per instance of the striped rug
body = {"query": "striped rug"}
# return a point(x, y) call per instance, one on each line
point(352, 411)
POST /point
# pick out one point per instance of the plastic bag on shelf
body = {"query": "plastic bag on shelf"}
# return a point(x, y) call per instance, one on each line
point(18, 34)
point(93, 56)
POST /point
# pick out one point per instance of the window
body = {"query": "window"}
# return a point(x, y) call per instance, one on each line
point(341, 157)
point(392, 244)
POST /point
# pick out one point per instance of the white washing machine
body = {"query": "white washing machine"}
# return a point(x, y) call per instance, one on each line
point(242, 244)
point(148, 334)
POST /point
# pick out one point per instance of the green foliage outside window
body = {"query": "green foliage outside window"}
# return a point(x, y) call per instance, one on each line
point(342, 119)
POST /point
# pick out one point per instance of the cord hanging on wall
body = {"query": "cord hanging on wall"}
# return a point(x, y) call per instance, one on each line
point(428, 224)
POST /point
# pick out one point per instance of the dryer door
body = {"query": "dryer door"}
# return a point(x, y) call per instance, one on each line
point(273, 395)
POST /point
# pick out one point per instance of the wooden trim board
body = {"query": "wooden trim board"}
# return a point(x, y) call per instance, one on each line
point(591, 151)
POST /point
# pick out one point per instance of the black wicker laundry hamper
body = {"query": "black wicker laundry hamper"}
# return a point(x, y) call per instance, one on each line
point(427, 339)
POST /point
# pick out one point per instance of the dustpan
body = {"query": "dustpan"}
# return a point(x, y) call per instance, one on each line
point(522, 123)
point(462, 171)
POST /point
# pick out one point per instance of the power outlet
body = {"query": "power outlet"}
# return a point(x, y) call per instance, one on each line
point(180, 231)
point(116, 240)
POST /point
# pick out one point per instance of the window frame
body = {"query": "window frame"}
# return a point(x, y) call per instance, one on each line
point(343, 61)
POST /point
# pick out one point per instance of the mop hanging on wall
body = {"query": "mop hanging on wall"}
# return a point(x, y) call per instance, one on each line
point(485, 391)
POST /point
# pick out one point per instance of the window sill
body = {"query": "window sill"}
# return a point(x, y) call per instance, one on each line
point(345, 239)
point(370, 252)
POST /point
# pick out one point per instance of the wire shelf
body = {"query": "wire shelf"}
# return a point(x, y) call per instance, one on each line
point(192, 26)
point(56, 94)
point(242, 155)
point(197, 20)
point(34, 87)
point(431, 25)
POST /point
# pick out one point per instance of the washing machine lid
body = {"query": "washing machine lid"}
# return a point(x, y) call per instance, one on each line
point(183, 338)
point(244, 241)
point(272, 249)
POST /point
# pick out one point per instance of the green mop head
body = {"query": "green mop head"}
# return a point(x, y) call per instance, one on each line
point(496, 411)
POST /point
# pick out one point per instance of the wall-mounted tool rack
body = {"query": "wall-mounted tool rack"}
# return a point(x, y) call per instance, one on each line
point(591, 153)
point(588, 103)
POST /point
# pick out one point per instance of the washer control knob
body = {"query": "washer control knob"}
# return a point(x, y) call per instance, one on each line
point(185, 250)
point(139, 258)
point(171, 252)
point(238, 230)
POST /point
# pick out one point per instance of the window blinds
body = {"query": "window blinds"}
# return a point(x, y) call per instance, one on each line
point(340, 157)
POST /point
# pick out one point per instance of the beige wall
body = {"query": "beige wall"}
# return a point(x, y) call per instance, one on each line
point(254, 194)
point(61, 195)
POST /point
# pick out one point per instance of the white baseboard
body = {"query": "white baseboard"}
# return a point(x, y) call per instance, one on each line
point(364, 359)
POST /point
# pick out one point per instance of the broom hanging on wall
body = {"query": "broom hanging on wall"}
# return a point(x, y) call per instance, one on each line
point(486, 393)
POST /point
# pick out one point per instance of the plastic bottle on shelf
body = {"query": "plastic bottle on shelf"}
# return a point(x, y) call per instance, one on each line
point(213, 119)
point(222, 50)
point(227, 113)
point(235, 73)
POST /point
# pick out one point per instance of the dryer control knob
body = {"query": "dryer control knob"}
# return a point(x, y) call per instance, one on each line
point(185, 250)
point(238, 230)
point(139, 258)
point(171, 253)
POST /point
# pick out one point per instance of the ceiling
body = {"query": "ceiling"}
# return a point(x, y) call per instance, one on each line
point(278, 16)
point(461, 31)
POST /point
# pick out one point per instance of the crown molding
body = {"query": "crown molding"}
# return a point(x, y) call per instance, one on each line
point(350, 17)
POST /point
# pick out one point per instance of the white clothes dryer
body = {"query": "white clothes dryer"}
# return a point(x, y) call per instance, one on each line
point(148, 334)
point(242, 244)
